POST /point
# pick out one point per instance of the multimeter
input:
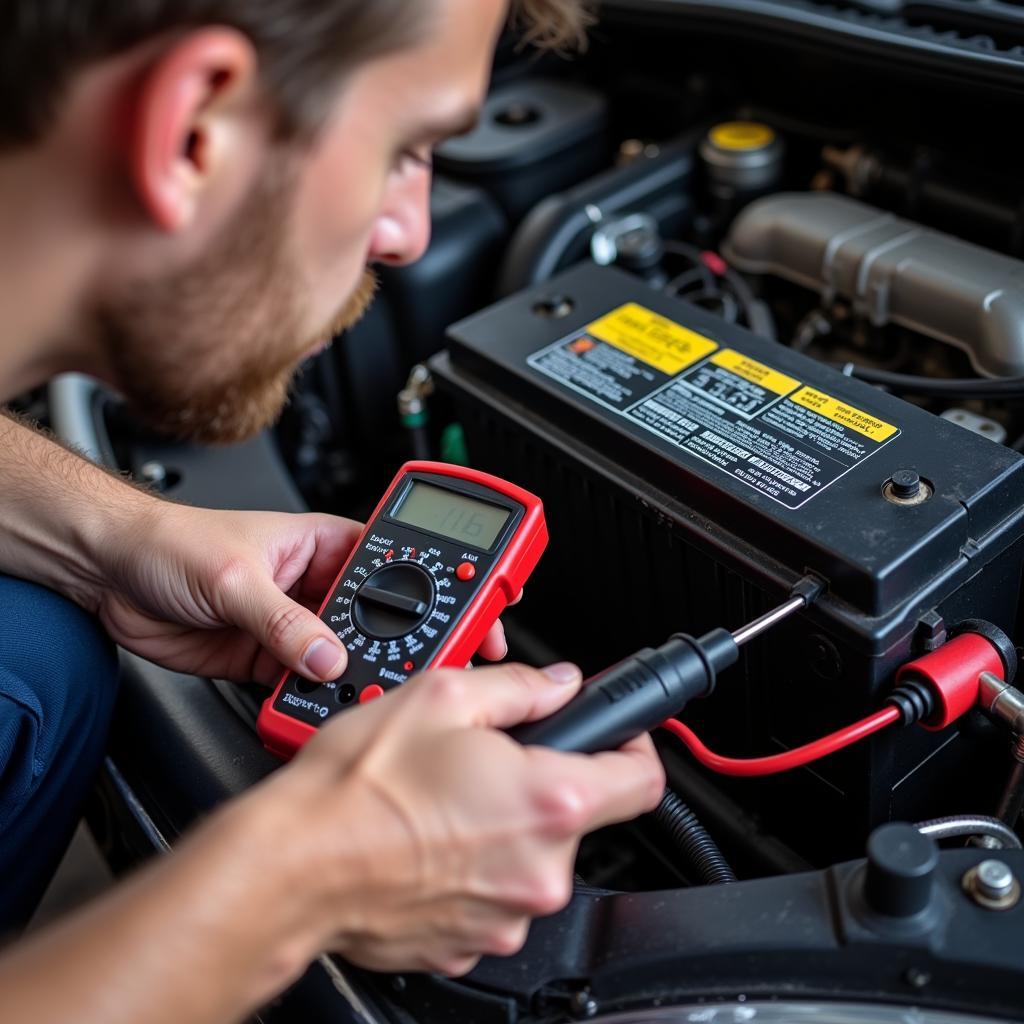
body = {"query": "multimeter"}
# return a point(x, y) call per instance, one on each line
point(445, 551)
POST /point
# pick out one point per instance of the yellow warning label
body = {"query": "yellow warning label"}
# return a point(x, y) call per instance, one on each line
point(846, 415)
point(757, 373)
point(654, 339)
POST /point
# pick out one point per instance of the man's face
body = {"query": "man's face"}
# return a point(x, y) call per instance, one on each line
point(209, 352)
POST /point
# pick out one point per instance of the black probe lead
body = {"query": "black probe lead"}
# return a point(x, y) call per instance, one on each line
point(640, 692)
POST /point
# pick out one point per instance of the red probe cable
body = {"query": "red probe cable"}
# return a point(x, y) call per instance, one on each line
point(748, 766)
point(950, 675)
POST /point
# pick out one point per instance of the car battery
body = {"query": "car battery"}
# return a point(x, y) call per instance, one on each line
point(692, 472)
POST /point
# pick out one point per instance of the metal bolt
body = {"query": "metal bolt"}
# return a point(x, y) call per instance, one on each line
point(410, 403)
point(582, 1004)
point(992, 885)
point(420, 380)
point(995, 879)
point(985, 842)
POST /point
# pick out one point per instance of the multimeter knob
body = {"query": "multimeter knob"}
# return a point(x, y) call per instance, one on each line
point(393, 601)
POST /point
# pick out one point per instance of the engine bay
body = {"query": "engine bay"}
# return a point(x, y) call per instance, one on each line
point(742, 305)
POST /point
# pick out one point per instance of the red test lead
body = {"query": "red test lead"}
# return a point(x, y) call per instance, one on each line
point(933, 691)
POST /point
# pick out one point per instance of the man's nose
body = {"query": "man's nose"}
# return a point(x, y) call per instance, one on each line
point(402, 231)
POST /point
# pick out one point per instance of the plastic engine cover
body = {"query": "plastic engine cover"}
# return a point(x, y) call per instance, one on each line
point(892, 270)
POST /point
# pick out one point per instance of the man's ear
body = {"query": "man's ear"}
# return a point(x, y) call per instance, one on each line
point(190, 114)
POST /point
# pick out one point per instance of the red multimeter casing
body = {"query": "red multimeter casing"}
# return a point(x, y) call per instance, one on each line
point(441, 557)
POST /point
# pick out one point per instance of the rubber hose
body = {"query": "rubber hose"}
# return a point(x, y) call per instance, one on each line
point(699, 850)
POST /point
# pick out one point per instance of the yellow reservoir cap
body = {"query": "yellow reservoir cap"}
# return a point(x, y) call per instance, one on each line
point(741, 136)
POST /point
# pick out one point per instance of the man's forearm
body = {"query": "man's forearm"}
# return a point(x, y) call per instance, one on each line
point(58, 512)
point(205, 936)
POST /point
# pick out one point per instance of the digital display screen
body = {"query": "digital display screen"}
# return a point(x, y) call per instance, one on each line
point(452, 515)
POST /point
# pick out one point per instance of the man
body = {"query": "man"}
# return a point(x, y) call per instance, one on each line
point(187, 188)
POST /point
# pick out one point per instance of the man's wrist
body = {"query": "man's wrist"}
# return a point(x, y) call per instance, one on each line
point(107, 534)
point(62, 518)
point(288, 899)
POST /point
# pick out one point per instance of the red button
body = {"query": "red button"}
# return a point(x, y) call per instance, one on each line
point(389, 554)
point(408, 666)
point(466, 571)
point(371, 692)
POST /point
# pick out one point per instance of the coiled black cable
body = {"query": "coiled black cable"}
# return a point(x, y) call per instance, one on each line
point(699, 850)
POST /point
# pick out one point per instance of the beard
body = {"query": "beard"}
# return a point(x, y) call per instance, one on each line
point(209, 354)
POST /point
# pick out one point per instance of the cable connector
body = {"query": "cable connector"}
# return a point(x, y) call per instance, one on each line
point(995, 636)
point(934, 691)
point(940, 687)
point(915, 701)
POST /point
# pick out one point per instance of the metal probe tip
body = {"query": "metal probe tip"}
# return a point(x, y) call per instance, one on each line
point(769, 619)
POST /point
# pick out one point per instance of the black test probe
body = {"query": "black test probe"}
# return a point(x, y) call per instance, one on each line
point(640, 692)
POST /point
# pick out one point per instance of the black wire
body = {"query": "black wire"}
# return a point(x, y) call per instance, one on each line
point(696, 257)
point(728, 307)
point(692, 276)
point(699, 850)
point(717, 301)
point(755, 313)
point(691, 252)
point(740, 288)
point(970, 387)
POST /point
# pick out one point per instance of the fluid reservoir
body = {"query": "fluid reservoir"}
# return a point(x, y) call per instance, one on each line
point(742, 160)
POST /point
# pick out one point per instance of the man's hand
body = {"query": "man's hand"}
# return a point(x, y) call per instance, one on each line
point(231, 595)
point(420, 837)
point(409, 834)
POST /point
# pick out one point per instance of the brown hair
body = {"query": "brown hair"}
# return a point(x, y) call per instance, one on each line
point(305, 46)
point(553, 24)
